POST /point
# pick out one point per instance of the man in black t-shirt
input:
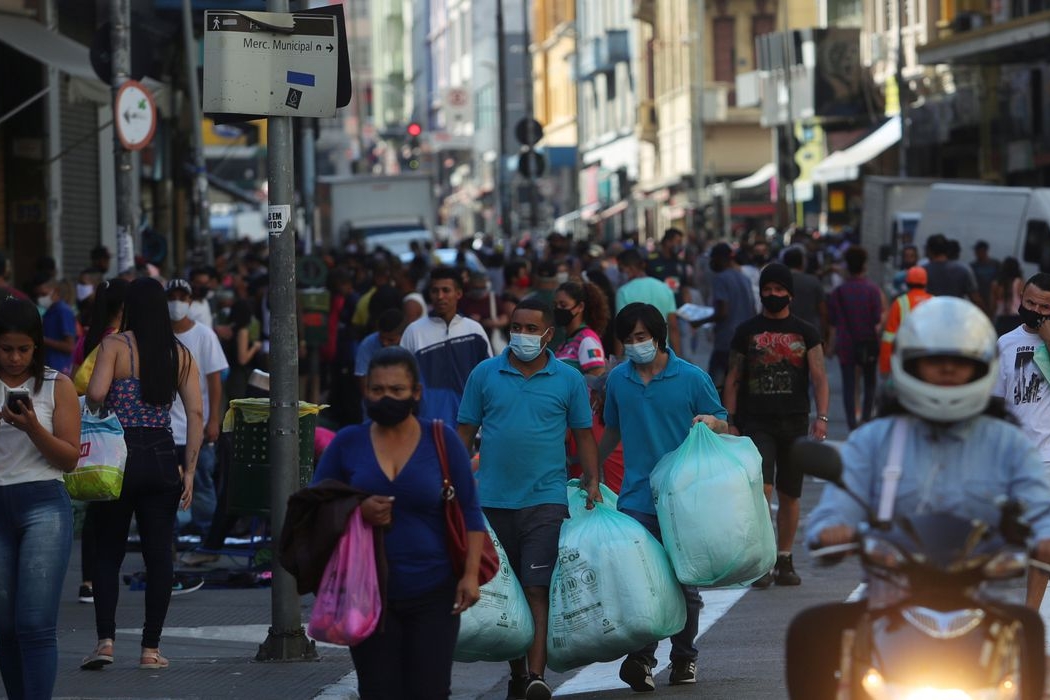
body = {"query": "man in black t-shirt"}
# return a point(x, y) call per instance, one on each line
point(774, 357)
point(665, 265)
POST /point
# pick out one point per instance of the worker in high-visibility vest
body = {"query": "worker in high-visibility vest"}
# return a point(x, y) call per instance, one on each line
point(899, 310)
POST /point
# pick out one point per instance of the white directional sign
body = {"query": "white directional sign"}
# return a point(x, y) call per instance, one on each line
point(252, 67)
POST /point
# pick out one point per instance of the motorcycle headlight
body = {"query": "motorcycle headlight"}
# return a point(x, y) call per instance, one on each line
point(878, 689)
point(1005, 565)
point(882, 554)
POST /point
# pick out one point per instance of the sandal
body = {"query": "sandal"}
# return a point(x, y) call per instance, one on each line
point(101, 656)
point(152, 660)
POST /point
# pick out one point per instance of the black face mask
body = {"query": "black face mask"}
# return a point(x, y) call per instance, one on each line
point(774, 304)
point(563, 317)
point(1032, 319)
point(389, 411)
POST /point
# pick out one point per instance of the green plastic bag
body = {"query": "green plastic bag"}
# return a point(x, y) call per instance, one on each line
point(613, 590)
point(713, 515)
point(99, 475)
point(499, 626)
point(578, 497)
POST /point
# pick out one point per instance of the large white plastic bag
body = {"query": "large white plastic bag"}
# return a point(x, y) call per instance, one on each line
point(99, 474)
point(613, 590)
point(576, 503)
point(713, 516)
point(499, 626)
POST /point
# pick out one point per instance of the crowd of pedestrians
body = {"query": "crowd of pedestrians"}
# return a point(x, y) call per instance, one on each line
point(551, 359)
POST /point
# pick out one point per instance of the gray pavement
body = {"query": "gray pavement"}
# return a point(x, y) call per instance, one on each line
point(211, 637)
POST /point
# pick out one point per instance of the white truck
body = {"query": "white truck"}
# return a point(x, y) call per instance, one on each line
point(1015, 221)
point(388, 211)
point(889, 219)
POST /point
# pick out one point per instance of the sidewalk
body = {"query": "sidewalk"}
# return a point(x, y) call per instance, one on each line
point(211, 637)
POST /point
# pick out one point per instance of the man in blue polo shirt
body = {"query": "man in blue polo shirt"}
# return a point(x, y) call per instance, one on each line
point(651, 403)
point(524, 399)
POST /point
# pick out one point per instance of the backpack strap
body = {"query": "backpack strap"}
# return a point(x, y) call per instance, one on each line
point(891, 473)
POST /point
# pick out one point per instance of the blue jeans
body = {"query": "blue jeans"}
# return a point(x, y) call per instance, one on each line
point(683, 645)
point(36, 536)
point(202, 508)
point(151, 493)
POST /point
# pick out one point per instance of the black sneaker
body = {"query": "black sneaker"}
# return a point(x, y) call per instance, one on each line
point(763, 581)
point(636, 672)
point(537, 688)
point(683, 672)
point(182, 584)
point(784, 572)
point(517, 686)
point(86, 594)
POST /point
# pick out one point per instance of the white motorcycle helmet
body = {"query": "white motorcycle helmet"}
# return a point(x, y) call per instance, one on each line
point(939, 327)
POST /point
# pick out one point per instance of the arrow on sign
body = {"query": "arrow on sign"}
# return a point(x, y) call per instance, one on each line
point(331, 48)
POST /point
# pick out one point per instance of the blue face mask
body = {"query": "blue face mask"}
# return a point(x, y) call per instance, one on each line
point(526, 347)
point(641, 353)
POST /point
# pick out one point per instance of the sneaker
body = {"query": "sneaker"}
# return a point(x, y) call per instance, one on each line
point(86, 594)
point(637, 673)
point(763, 581)
point(183, 584)
point(537, 688)
point(785, 572)
point(198, 558)
point(683, 672)
point(517, 686)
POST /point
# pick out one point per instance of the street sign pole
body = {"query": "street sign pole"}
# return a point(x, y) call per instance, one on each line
point(120, 21)
point(286, 640)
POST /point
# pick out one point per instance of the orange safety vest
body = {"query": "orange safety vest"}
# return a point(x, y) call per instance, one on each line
point(899, 311)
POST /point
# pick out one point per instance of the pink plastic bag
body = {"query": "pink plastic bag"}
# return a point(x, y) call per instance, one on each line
point(347, 608)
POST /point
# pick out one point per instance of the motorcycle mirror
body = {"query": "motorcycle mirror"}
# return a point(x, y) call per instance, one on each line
point(817, 459)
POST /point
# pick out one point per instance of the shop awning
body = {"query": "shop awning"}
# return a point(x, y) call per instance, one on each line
point(844, 165)
point(755, 179)
point(33, 39)
point(1020, 40)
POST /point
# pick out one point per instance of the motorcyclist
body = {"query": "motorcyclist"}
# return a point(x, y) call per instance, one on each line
point(960, 455)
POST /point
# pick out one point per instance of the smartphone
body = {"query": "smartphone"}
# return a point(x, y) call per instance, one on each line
point(16, 398)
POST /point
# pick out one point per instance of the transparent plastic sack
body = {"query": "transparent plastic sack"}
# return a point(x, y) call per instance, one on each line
point(499, 626)
point(713, 515)
point(348, 605)
point(99, 475)
point(613, 589)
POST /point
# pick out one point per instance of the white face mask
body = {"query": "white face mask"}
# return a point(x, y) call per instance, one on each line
point(562, 277)
point(178, 310)
point(45, 302)
point(84, 291)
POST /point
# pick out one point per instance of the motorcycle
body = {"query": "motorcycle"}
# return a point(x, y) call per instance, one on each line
point(928, 631)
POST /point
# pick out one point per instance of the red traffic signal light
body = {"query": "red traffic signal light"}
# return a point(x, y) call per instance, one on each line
point(414, 129)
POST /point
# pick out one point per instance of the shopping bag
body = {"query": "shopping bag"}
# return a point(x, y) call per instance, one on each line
point(612, 591)
point(576, 503)
point(713, 515)
point(99, 474)
point(499, 626)
point(347, 608)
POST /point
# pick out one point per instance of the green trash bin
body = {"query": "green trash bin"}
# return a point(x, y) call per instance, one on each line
point(249, 489)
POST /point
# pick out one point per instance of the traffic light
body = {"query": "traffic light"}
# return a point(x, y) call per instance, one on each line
point(411, 153)
point(787, 145)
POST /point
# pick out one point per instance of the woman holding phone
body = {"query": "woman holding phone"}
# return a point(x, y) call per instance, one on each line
point(39, 440)
point(137, 373)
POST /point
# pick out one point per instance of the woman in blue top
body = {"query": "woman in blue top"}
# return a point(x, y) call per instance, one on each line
point(394, 457)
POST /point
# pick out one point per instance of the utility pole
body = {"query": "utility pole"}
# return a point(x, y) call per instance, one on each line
point(696, 22)
point(902, 94)
point(286, 640)
point(530, 121)
point(202, 222)
point(502, 176)
point(127, 230)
